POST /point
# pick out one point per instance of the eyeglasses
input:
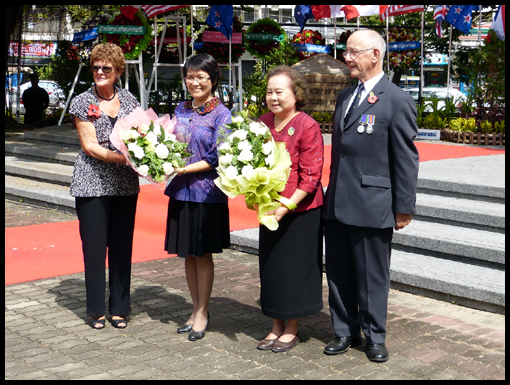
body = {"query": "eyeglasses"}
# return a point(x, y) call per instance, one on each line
point(355, 54)
point(200, 80)
point(106, 70)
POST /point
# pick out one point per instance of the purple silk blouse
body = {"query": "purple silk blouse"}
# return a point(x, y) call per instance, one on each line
point(200, 129)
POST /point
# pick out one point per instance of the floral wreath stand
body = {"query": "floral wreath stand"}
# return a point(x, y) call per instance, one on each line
point(139, 77)
point(181, 49)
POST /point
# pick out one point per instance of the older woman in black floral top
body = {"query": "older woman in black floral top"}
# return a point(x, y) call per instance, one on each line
point(105, 188)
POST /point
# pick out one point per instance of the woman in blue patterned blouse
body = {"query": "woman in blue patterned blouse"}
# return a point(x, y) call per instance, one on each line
point(198, 218)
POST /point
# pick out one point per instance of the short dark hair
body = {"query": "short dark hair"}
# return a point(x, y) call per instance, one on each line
point(298, 83)
point(204, 62)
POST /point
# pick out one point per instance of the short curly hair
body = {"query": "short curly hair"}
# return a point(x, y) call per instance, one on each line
point(109, 53)
point(299, 84)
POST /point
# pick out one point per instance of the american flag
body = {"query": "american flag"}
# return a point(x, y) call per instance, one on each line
point(395, 10)
point(439, 15)
point(151, 10)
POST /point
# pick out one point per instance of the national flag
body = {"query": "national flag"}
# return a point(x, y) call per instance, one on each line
point(150, 10)
point(303, 13)
point(460, 16)
point(221, 18)
point(352, 11)
point(498, 25)
point(327, 11)
point(395, 10)
point(439, 15)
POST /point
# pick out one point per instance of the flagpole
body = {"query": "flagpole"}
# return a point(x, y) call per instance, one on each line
point(449, 61)
point(192, 37)
point(335, 37)
point(388, 39)
point(231, 91)
point(420, 98)
point(480, 28)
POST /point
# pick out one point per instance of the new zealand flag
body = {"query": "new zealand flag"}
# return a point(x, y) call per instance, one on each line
point(221, 18)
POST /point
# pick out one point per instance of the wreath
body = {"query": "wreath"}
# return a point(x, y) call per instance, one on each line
point(261, 48)
point(400, 61)
point(132, 45)
point(343, 40)
point(308, 37)
point(219, 51)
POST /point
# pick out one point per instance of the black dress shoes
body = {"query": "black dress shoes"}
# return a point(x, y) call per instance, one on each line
point(194, 335)
point(342, 344)
point(184, 329)
point(377, 352)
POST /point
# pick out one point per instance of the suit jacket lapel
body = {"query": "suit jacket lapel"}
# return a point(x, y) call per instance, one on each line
point(365, 105)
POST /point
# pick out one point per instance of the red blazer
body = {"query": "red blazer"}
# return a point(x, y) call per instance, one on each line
point(306, 148)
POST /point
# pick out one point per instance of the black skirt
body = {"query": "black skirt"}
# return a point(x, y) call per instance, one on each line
point(196, 228)
point(290, 261)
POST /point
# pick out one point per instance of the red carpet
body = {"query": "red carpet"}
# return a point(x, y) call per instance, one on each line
point(54, 249)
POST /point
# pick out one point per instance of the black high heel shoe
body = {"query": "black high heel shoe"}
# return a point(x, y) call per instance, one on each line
point(184, 329)
point(194, 335)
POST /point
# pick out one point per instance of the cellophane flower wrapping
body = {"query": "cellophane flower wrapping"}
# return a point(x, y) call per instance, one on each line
point(252, 164)
point(149, 145)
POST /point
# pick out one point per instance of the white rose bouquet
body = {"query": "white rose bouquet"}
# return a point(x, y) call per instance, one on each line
point(149, 145)
point(252, 164)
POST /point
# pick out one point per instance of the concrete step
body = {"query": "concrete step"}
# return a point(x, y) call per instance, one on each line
point(475, 244)
point(466, 283)
point(39, 193)
point(452, 278)
point(34, 169)
point(64, 134)
point(47, 152)
point(478, 177)
point(456, 209)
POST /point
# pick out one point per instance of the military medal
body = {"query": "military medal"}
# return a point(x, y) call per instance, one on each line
point(363, 123)
point(291, 131)
point(370, 124)
point(366, 124)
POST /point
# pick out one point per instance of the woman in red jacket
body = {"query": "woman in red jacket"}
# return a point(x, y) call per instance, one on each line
point(291, 257)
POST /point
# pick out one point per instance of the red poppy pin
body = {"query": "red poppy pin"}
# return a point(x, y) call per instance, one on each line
point(94, 111)
point(372, 98)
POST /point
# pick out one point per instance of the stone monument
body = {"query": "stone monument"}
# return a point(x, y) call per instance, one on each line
point(326, 77)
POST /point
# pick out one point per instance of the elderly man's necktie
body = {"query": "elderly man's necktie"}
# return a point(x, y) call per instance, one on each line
point(355, 104)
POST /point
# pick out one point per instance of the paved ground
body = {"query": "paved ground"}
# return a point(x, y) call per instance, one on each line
point(46, 335)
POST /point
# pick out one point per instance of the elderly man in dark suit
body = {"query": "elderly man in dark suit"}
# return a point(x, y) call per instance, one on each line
point(372, 189)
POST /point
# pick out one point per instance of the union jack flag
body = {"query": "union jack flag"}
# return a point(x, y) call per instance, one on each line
point(395, 10)
point(439, 15)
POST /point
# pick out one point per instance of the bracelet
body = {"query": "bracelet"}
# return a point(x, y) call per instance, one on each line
point(183, 170)
point(288, 203)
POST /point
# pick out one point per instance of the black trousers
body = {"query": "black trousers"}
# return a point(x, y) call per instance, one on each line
point(107, 223)
point(358, 271)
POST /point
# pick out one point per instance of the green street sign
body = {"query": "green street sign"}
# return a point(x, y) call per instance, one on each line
point(121, 29)
point(265, 36)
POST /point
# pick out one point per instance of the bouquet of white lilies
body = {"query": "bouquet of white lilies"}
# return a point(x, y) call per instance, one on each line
point(252, 164)
point(150, 146)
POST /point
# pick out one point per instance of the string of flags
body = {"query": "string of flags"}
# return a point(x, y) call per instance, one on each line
point(459, 16)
